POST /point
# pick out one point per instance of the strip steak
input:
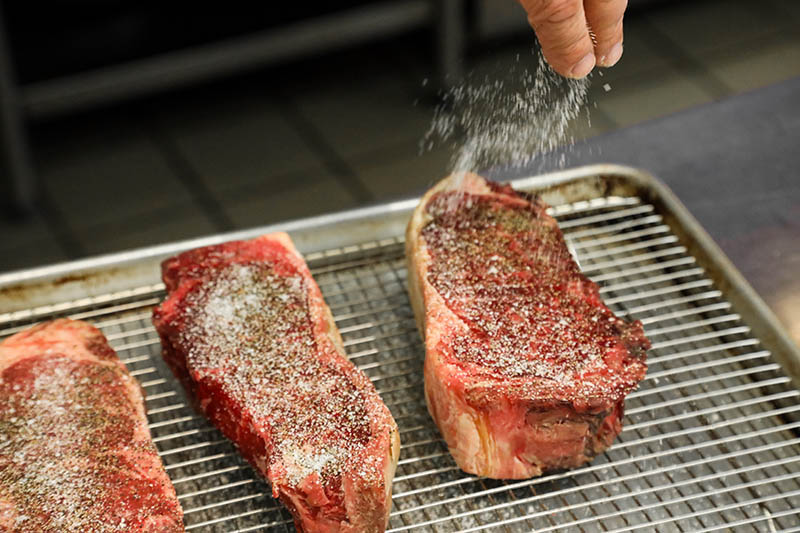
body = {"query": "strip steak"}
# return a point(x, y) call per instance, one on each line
point(246, 329)
point(526, 369)
point(75, 450)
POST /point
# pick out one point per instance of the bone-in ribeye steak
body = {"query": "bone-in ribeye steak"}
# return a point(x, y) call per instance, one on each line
point(526, 369)
point(245, 328)
point(75, 450)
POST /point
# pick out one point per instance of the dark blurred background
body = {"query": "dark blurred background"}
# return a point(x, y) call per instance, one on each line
point(147, 122)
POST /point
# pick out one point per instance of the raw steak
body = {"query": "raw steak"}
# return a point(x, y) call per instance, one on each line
point(247, 331)
point(526, 370)
point(75, 451)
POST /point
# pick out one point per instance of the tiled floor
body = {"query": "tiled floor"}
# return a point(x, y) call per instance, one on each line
point(344, 130)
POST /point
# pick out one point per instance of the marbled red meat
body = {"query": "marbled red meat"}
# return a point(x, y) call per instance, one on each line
point(75, 450)
point(247, 331)
point(526, 368)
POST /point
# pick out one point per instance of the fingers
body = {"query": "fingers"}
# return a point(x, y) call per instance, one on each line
point(561, 28)
point(605, 19)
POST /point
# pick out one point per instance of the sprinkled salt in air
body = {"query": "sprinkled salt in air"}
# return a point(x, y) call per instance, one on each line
point(606, 87)
point(509, 121)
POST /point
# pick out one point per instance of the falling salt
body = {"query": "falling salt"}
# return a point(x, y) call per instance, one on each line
point(509, 121)
point(606, 87)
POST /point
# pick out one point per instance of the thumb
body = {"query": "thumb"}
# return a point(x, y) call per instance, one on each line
point(561, 28)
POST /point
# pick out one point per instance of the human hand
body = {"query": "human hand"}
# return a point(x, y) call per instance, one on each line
point(563, 28)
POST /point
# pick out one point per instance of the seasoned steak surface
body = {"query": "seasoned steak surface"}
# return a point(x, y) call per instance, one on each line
point(75, 451)
point(503, 268)
point(246, 329)
point(526, 368)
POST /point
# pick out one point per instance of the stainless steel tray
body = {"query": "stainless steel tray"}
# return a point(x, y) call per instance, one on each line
point(711, 438)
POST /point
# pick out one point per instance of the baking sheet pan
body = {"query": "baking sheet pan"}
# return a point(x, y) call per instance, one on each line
point(711, 438)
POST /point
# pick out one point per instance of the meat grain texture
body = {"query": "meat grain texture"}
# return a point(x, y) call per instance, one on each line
point(526, 369)
point(246, 330)
point(75, 450)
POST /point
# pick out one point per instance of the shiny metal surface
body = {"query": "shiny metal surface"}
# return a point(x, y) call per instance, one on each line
point(711, 438)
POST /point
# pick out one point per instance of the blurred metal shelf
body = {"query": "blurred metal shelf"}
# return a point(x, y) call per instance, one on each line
point(205, 62)
point(175, 69)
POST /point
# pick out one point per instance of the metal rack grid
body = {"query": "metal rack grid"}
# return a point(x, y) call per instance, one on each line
point(711, 439)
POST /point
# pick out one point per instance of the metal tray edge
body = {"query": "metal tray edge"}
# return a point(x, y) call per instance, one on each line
point(117, 272)
point(101, 274)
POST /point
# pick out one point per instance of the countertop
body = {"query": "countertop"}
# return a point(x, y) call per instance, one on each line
point(736, 165)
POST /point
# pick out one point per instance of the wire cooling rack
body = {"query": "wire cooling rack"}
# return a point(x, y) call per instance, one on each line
point(711, 439)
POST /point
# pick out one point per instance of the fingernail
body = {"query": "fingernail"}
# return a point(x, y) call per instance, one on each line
point(583, 67)
point(613, 56)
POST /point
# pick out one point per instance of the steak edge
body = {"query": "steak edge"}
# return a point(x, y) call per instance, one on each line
point(75, 450)
point(246, 329)
point(526, 369)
